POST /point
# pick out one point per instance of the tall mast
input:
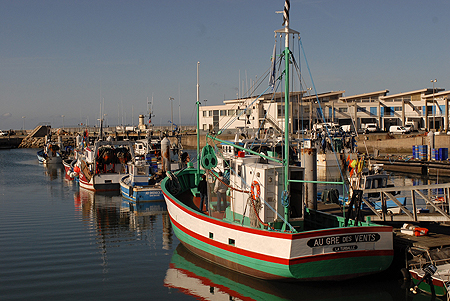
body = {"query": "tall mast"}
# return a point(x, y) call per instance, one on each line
point(286, 103)
point(286, 31)
point(198, 128)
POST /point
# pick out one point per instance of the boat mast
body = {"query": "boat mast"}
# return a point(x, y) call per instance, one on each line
point(197, 178)
point(286, 105)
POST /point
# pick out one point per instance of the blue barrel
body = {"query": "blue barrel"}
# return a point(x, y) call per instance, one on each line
point(443, 153)
point(414, 152)
point(423, 152)
point(434, 154)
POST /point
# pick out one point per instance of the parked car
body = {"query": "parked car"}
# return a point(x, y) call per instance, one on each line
point(371, 128)
point(2, 133)
point(409, 127)
point(398, 129)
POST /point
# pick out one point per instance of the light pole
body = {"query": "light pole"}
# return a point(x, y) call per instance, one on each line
point(171, 110)
point(23, 123)
point(62, 116)
point(434, 112)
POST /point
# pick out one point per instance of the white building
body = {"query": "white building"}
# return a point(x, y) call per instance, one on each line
point(385, 110)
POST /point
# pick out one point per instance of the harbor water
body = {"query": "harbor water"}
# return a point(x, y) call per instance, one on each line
point(60, 242)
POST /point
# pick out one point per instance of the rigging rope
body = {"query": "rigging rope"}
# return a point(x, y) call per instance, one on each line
point(321, 111)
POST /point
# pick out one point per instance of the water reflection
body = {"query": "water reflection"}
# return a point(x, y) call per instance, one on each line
point(193, 276)
point(54, 171)
point(117, 222)
point(143, 215)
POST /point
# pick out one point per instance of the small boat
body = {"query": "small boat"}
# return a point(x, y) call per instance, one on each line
point(429, 270)
point(263, 229)
point(141, 184)
point(103, 165)
point(50, 154)
point(71, 169)
point(373, 177)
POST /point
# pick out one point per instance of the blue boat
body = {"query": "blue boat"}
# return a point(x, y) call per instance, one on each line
point(141, 184)
point(49, 156)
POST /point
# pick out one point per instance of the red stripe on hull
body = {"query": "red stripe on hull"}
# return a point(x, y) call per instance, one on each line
point(282, 235)
point(278, 260)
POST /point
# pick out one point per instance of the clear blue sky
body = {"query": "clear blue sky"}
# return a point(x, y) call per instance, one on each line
point(63, 57)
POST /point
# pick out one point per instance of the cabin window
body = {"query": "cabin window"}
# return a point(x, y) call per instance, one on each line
point(211, 235)
point(231, 242)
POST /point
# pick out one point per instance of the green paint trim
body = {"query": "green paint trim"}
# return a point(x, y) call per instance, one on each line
point(317, 269)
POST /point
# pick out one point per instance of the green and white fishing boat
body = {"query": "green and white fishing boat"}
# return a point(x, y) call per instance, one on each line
point(267, 230)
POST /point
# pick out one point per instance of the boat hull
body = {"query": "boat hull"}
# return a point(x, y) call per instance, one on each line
point(42, 158)
point(101, 182)
point(325, 254)
point(439, 284)
point(144, 193)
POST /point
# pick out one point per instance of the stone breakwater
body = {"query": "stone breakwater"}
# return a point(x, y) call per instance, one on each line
point(32, 142)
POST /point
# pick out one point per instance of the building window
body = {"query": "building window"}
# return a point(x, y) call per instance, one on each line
point(205, 127)
point(223, 112)
point(210, 113)
point(205, 113)
point(280, 109)
point(343, 110)
point(397, 109)
point(231, 112)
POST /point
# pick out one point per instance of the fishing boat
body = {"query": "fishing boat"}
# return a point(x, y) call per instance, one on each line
point(50, 154)
point(266, 231)
point(103, 165)
point(142, 183)
point(429, 270)
point(69, 167)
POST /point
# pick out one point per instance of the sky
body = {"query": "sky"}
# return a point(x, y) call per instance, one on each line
point(70, 58)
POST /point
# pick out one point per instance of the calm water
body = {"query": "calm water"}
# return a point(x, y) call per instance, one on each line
point(59, 242)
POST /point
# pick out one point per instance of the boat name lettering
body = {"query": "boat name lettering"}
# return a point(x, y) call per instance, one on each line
point(345, 248)
point(343, 239)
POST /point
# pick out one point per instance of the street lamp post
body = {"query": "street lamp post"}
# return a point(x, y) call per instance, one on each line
point(434, 110)
point(171, 110)
point(23, 123)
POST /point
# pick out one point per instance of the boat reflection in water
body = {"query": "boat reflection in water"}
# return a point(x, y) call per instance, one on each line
point(113, 217)
point(53, 171)
point(203, 280)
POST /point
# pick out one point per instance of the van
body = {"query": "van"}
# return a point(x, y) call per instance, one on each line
point(397, 129)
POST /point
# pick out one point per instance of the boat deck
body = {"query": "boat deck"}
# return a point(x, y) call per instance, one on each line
point(194, 203)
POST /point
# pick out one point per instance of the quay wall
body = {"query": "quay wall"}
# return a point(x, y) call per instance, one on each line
point(398, 144)
point(382, 142)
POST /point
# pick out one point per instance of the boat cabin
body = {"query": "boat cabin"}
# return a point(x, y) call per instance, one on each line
point(265, 181)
